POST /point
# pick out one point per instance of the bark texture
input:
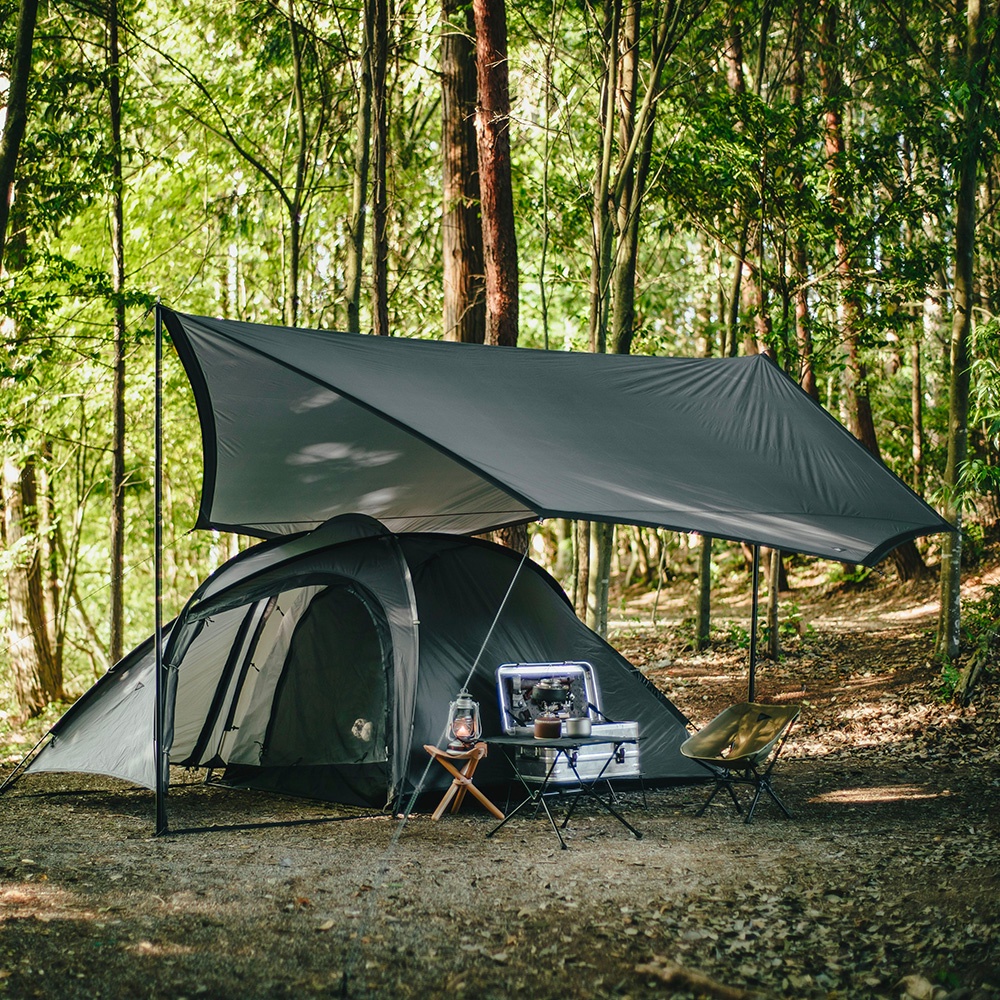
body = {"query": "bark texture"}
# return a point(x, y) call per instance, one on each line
point(964, 298)
point(36, 673)
point(461, 225)
point(17, 112)
point(380, 195)
point(493, 143)
point(362, 166)
point(117, 539)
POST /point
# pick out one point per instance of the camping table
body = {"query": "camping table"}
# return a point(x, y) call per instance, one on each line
point(566, 747)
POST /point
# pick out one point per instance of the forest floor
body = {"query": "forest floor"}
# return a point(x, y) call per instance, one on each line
point(884, 884)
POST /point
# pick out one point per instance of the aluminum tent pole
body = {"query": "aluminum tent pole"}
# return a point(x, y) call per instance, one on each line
point(158, 761)
point(755, 586)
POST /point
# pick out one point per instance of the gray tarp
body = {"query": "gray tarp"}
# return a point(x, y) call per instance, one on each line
point(301, 425)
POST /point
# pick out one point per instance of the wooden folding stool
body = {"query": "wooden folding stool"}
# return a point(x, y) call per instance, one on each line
point(462, 782)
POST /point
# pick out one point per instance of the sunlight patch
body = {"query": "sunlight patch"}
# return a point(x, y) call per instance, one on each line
point(880, 793)
point(159, 950)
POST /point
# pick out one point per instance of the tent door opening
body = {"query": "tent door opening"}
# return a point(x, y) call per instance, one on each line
point(319, 718)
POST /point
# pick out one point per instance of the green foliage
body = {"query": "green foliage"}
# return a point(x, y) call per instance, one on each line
point(18, 736)
point(213, 178)
point(980, 640)
point(852, 576)
point(736, 635)
point(950, 674)
point(981, 622)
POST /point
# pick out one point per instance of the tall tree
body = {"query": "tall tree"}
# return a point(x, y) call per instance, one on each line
point(360, 171)
point(735, 77)
point(800, 253)
point(602, 217)
point(16, 117)
point(37, 674)
point(117, 595)
point(380, 191)
point(496, 193)
point(461, 226)
point(621, 193)
point(495, 185)
point(860, 418)
point(980, 35)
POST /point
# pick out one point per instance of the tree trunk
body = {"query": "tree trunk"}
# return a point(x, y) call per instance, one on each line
point(495, 191)
point(703, 630)
point(514, 536)
point(733, 56)
point(295, 207)
point(906, 559)
point(917, 415)
point(762, 319)
point(774, 573)
point(50, 532)
point(17, 112)
point(461, 226)
point(602, 222)
point(635, 134)
point(948, 634)
point(116, 646)
point(628, 193)
point(380, 196)
point(37, 677)
point(581, 591)
point(800, 263)
point(497, 200)
point(602, 543)
point(362, 165)
point(857, 407)
point(629, 189)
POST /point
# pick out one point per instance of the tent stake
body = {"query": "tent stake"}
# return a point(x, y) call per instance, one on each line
point(755, 586)
point(161, 789)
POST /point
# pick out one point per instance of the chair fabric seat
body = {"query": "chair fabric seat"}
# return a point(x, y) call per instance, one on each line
point(741, 746)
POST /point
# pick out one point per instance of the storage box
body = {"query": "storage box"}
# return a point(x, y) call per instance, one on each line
point(533, 763)
point(518, 712)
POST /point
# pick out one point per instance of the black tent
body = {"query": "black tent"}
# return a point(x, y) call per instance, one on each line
point(319, 664)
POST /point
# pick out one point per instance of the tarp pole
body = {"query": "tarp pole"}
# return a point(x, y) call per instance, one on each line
point(755, 586)
point(161, 785)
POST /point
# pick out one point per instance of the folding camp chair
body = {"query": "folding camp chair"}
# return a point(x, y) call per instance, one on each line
point(741, 746)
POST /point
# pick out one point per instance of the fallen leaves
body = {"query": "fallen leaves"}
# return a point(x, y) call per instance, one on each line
point(918, 988)
point(883, 885)
point(679, 978)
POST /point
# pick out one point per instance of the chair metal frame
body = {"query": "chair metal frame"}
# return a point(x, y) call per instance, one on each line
point(736, 751)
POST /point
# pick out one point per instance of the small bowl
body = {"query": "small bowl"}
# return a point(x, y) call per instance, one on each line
point(577, 727)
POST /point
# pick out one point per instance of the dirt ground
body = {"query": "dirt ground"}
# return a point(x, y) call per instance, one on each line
point(885, 883)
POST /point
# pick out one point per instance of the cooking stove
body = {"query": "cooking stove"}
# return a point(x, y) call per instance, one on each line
point(574, 686)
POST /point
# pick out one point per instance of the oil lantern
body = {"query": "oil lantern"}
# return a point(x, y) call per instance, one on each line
point(464, 723)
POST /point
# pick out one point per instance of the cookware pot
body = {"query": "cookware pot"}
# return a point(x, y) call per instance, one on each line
point(577, 727)
point(550, 691)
